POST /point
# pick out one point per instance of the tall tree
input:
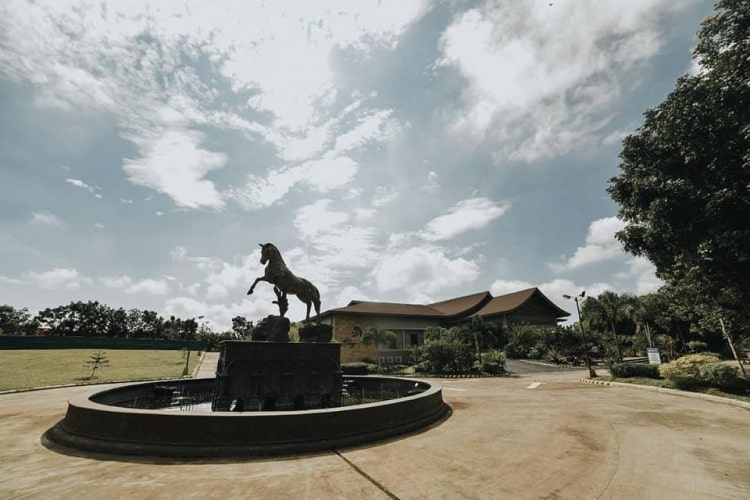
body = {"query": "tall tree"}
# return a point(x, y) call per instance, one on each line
point(684, 186)
point(611, 309)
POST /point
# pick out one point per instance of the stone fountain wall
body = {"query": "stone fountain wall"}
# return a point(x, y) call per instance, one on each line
point(273, 376)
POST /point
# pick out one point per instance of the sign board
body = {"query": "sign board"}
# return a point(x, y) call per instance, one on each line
point(653, 356)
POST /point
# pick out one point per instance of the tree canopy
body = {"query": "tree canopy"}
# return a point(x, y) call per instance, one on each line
point(684, 186)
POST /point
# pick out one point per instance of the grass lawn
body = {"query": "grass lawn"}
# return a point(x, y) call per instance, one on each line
point(24, 369)
point(666, 383)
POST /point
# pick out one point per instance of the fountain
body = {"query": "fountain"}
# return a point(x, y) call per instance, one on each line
point(270, 396)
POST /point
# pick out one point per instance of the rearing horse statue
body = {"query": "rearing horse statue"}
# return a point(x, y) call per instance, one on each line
point(285, 281)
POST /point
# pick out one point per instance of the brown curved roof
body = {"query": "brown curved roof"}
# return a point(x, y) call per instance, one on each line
point(462, 305)
point(476, 304)
point(509, 302)
point(388, 308)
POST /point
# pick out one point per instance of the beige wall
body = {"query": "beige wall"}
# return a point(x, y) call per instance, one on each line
point(343, 324)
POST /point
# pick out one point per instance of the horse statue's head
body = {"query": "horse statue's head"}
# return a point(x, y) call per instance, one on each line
point(268, 250)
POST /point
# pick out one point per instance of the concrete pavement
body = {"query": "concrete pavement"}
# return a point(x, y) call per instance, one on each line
point(562, 440)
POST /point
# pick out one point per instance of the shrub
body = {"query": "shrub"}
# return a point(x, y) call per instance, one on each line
point(493, 362)
point(685, 371)
point(696, 346)
point(447, 356)
point(358, 368)
point(627, 370)
point(554, 356)
point(515, 350)
point(534, 353)
point(722, 376)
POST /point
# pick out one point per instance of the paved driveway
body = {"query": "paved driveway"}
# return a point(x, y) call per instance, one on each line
point(562, 440)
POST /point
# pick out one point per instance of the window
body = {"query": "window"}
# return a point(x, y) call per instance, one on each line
point(413, 339)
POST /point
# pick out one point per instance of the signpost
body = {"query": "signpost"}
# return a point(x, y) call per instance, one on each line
point(653, 356)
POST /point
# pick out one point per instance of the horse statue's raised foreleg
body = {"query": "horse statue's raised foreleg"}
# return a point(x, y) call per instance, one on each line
point(252, 288)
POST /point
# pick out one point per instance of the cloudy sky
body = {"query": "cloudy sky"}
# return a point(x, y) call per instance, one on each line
point(393, 150)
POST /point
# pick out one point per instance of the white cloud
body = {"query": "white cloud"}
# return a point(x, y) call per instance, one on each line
point(474, 213)
point(46, 218)
point(219, 316)
point(347, 294)
point(10, 281)
point(600, 245)
point(116, 281)
point(80, 184)
point(173, 163)
point(421, 272)
point(148, 286)
point(160, 74)
point(58, 279)
point(371, 127)
point(313, 219)
point(541, 80)
point(644, 273)
point(501, 287)
point(323, 175)
point(383, 196)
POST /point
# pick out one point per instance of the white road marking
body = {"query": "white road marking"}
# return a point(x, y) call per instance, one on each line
point(454, 389)
point(534, 385)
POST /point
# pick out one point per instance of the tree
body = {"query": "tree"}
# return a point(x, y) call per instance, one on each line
point(242, 328)
point(96, 361)
point(684, 186)
point(16, 321)
point(480, 334)
point(378, 337)
point(611, 309)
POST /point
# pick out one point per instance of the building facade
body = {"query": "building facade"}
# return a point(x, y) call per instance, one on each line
point(409, 321)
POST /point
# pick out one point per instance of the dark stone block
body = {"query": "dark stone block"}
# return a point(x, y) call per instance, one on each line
point(272, 329)
point(312, 332)
point(270, 376)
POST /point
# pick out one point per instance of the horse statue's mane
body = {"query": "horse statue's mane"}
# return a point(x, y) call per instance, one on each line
point(285, 282)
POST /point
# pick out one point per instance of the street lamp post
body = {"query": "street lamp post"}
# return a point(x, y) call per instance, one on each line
point(592, 373)
point(187, 359)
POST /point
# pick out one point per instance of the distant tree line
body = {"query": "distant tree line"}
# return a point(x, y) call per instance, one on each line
point(93, 319)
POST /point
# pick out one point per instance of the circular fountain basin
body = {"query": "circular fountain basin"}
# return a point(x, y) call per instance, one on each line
point(93, 423)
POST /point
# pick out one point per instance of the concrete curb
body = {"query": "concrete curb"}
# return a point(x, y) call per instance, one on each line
point(674, 392)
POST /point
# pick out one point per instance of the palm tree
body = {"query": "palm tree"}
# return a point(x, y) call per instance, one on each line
point(378, 337)
point(643, 315)
point(479, 333)
point(612, 308)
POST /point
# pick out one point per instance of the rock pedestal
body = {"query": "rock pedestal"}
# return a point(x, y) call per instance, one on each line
point(271, 329)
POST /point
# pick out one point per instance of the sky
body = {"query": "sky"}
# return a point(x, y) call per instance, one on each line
point(395, 151)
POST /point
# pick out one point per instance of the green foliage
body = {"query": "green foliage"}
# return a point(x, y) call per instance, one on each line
point(695, 346)
point(682, 188)
point(96, 361)
point(493, 362)
point(358, 368)
point(685, 371)
point(378, 337)
point(554, 356)
point(521, 340)
point(242, 328)
point(628, 370)
point(721, 376)
point(444, 352)
point(16, 321)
